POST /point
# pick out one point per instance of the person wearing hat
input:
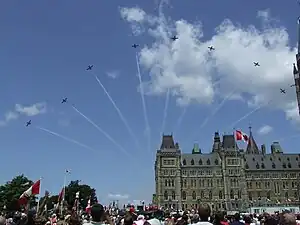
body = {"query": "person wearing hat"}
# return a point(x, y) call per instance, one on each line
point(99, 216)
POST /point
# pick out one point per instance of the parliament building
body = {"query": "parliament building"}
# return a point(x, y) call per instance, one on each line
point(227, 178)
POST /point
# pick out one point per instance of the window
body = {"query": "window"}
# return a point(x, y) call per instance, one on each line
point(239, 194)
point(192, 162)
point(208, 162)
point(271, 159)
point(288, 159)
point(210, 195)
point(166, 195)
point(217, 162)
point(173, 195)
point(184, 195)
point(166, 183)
point(200, 161)
point(220, 195)
point(184, 162)
point(284, 165)
point(269, 195)
point(173, 183)
point(231, 194)
point(194, 195)
point(279, 159)
point(202, 194)
point(289, 165)
point(273, 165)
point(257, 166)
point(247, 166)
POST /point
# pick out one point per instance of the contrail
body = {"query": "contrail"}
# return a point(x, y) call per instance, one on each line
point(247, 115)
point(217, 109)
point(143, 101)
point(119, 112)
point(165, 111)
point(180, 118)
point(102, 131)
point(66, 138)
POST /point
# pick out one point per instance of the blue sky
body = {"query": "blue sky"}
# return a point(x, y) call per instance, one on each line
point(47, 45)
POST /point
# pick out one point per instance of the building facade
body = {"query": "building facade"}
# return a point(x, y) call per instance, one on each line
point(227, 178)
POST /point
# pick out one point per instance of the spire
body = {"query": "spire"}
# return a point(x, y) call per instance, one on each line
point(252, 146)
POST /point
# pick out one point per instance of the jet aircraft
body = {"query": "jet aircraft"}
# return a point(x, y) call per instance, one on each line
point(90, 67)
point(282, 91)
point(28, 123)
point(256, 63)
point(135, 45)
point(211, 48)
point(174, 38)
point(64, 100)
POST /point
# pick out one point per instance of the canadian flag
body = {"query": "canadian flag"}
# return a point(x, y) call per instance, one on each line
point(240, 136)
point(33, 190)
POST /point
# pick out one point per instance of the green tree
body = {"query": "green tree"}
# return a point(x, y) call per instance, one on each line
point(86, 193)
point(12, 190)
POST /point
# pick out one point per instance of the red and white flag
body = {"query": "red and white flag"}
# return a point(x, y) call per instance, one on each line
point(240, 136)
point(33, 190)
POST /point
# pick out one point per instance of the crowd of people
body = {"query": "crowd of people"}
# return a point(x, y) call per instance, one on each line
point(99, 215)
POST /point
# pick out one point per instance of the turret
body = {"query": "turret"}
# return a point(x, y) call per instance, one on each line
point(276, 148)
point(263, 149)
point(196, 149)
point(217, 142)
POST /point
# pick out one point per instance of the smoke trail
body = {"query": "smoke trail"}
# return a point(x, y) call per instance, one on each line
point(102, 131)
point(247, 115)
point(165, 111)
point(217, 109)
point(143, 101)
point(180, 118)
point(119, 112)
point(66, 138)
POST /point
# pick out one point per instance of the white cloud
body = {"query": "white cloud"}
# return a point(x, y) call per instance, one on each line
point(30, 110)
point(265, 130)
point(189, 69)
point(118, 196)
point(113, 74)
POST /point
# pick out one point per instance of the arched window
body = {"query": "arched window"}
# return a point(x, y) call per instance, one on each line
point(166, 195)
point(284, 165)
point(184, 162)
point(184, 195)
point(217, 162)
point(166, 183)
point(269, 195)
point(173, 183)
point(247, 166)
point(194, 195)
point(200, 162)
point(173, 195)
point(220, 195)
point(286, 195)
point(192, 162)
point(273, 165)
point(169, 183)
point(289, 165)
point(239, 194)
point(231, 194)
point(262, 166)
point(257, 166)
point(210, 195)
point(208, 162)
point(202, 194)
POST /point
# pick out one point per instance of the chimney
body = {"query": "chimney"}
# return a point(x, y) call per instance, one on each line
point(263, 149)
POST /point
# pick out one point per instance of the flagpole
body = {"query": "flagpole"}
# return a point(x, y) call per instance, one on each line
point(64, 191)
point(38, 204)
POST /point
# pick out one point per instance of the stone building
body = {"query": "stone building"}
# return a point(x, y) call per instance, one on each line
point(228, 178)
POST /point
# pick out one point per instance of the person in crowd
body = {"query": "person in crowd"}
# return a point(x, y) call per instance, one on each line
point(99, 216)
point(236, 220)
point(204, 212)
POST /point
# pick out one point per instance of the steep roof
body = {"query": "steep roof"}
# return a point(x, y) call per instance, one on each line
point(252, 146)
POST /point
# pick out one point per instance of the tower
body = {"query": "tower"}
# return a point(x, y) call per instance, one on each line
point(296, 69)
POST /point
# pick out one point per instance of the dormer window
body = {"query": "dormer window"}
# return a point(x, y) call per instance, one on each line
point(200, 162)
point(279, 159)
point(247, 166)
point(253, 159)
point(262, 166)
point(192, 162)
point(217, 162)
point(289, 165)
point(284, 165)
point(271, 159)
point(257, 166)
point(184, 162)
point(288, 159)
point(208, 162)
point(273, 165)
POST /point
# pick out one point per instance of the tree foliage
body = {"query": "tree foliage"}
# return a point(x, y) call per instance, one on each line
point(86, 193)
point(12, 190)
